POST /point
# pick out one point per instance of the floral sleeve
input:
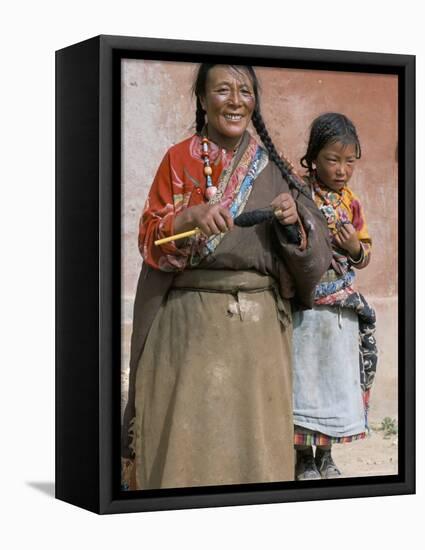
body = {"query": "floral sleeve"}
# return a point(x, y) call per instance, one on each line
point(359, 223)
point(163, 203)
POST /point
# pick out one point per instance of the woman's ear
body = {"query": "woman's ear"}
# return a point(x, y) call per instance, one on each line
point(202, 102)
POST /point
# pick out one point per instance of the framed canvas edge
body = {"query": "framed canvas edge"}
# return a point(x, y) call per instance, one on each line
point(175, 47)
point(76, 275)
point(404, 483)
point(258, 497)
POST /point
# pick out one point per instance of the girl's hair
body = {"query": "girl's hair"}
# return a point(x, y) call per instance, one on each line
point(326, 129)
point(199, 90)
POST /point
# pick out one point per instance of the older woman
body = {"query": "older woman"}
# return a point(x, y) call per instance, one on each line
point(210, 397)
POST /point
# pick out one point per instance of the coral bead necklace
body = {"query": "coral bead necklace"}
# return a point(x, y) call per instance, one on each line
point(210, 189)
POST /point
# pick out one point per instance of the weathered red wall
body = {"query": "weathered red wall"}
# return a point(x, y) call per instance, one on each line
point(158, 110)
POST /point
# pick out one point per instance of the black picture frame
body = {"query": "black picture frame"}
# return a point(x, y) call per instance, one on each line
point(88, 274)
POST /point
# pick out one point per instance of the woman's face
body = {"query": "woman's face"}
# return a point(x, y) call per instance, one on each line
point(229, 102)
point(335, 164)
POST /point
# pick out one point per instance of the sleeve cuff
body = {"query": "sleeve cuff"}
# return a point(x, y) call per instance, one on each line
point(360, 259)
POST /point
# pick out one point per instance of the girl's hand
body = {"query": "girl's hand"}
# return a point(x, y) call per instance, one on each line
point(347, 239)
point(286, 209)
point(211, 220)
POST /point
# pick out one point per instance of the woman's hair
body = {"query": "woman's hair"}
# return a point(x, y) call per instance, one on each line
point(325, 130)
point(199, 90)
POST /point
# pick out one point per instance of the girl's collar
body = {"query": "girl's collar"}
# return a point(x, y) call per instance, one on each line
point(317, 182)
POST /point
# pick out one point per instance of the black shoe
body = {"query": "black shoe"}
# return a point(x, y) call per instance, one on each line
point(326, 466)
point(306, 467)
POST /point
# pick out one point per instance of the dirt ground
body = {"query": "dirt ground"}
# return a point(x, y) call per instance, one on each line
point(374, 456)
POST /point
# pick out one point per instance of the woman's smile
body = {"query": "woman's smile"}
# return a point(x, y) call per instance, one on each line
point(233, 117)
point(229, 102)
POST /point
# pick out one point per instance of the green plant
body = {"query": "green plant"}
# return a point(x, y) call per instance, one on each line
point(389, 426)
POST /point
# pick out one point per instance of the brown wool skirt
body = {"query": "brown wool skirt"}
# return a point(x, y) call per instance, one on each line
point(214, 385)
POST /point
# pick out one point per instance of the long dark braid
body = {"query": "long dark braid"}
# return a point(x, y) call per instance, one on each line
point(286, 170)
point(326, 129)
point(200, 116)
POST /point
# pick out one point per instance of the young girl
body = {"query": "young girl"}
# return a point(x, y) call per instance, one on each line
point(331, 392)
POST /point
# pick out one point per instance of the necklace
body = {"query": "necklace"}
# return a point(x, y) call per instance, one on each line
point(330, 201)
point(210, 190)
point(329, 197)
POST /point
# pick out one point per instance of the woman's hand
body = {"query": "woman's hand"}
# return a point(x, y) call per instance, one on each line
point(347, 239)
point(211, 220)
point(285, 209)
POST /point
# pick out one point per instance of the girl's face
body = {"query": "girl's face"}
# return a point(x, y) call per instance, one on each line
point(335, 164)
point(229, 102)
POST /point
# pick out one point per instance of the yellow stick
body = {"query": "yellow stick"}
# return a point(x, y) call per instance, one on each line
point(178, 236)
point(190, 233)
